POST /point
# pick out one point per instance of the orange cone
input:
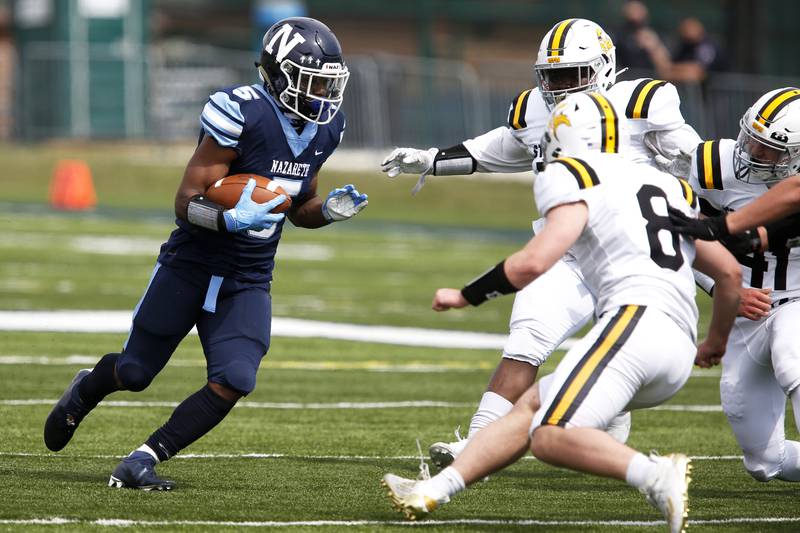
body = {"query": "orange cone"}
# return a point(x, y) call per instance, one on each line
point(72, 187)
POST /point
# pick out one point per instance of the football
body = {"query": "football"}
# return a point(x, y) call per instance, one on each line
point(227, 191)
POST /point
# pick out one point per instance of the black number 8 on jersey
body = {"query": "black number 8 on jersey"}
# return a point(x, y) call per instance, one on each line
point(657, 223)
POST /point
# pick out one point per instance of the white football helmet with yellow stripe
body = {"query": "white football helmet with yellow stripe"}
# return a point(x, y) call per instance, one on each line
point(768, 147)
point(576, 55)
point(584, 122)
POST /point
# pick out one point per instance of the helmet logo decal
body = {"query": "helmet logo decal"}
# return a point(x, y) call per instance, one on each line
point(285, 45)
point(558, 120)
point(780, 137)
point(605, 42)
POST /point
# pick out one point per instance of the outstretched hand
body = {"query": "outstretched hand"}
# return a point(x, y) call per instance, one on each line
point(409, 161)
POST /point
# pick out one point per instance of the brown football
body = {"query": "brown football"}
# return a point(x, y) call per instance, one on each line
point(227, 191)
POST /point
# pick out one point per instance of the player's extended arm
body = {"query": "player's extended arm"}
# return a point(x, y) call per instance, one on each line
point(494, 151)
point(716, 261)
point(564, 225)
point(340, 204)
point(209, 163)
point(780, 201)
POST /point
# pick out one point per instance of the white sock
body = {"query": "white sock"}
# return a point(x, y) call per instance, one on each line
point(790, 469)
point(492, 407)
point(640, 471)
point(448, 482)
point(147, 449)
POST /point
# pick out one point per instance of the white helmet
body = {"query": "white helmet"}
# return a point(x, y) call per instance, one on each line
point(583, 122)
point(576, 55)
point(768, 147)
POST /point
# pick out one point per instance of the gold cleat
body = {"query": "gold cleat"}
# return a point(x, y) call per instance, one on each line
point(669, 491)
point(406, 498)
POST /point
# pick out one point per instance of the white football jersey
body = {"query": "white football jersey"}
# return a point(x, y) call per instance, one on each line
point(648, 105)
point(712, 176)
point(627, 253)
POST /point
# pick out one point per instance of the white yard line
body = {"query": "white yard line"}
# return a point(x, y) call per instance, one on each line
point(299, 456)
point(120, 322)
point(334, 405)
point(122, 522)
point(264, 405)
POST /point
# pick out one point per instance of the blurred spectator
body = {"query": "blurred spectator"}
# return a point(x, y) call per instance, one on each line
point(696, 55)
point(630, 52)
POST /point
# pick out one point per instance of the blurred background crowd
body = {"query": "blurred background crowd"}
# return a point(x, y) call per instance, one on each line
point(424, 72)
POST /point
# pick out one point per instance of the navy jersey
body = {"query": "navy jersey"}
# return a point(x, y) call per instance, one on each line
point(248, 120)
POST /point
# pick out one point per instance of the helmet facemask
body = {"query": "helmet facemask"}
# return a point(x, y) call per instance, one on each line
point(759, 160)
point(314, 94)
point(556, 81)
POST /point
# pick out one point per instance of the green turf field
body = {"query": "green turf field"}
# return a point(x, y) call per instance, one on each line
point(304, 447)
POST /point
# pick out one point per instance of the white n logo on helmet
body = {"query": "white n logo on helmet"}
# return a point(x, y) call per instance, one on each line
point(285, 45)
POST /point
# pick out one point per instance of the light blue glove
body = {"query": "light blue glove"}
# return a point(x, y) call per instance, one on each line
point(343, 203)
point(251, 215)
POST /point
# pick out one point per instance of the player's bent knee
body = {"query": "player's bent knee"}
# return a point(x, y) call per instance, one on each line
point(134, 377)
point(763, 466)
point(239, 376)
point(543, 441)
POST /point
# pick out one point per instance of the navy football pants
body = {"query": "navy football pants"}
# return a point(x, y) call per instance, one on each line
point(232, 318)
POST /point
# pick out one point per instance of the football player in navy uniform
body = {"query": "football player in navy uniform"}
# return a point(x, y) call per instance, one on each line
point(215, 270)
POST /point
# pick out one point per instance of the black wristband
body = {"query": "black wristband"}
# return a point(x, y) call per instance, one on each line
point(719, 227)
point(454, 161)
point(491, 284)
point(206, 214)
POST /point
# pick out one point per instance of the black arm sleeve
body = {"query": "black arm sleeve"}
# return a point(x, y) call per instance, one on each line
point(454, 161)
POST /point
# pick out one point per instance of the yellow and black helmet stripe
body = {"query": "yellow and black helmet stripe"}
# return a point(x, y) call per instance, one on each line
point(585, 374)
point(639, 103)
point(609, 124)
point(519, 106)
point(772, 107)
point(558, 36)
point(709, 169)
point(688, 193)
point(583, 173)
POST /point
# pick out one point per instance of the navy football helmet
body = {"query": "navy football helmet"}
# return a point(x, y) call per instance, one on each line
point(303, 68)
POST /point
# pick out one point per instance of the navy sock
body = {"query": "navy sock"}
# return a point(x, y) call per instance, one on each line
point(192, 419)
point(100, 382)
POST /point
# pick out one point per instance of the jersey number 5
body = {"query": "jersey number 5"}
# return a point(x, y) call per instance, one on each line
point(655, 225)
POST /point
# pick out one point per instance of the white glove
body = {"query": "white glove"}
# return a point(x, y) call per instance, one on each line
point(409, 161)
point(343, 203)
point(672, 149)
point(679, 167)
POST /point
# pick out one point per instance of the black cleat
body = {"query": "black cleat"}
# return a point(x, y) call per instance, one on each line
point(63, 420)
point(137, 471)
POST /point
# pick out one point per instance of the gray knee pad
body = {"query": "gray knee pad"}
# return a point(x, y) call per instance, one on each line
point(133, 376)
point(239, 376)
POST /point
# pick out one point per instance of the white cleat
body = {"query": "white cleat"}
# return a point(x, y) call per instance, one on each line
point(408, 497)
point(443, 454)
point(669, 491)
